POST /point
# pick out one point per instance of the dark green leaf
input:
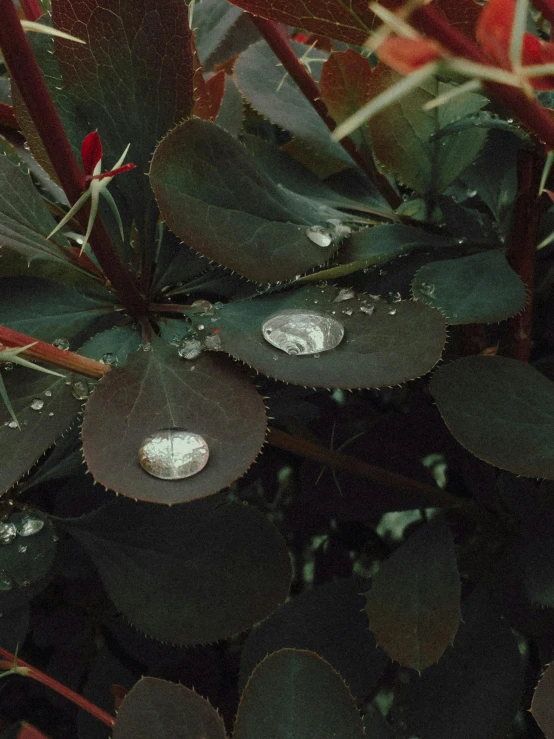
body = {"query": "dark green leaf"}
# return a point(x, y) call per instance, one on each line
point(380, 244)
point(212, 21)
point(401, 134)
point(48, 310)
point(118, 342)
point(271, 91)
point(157, 709)
point(189, 574)
point(542, 706)
point(474, 690)
point(414, 602)
point(330, 621)
point(481, 288)
point(39, 428)
point(230, 113)
point(397, 343)
point(216, 198)
point(501, 410)
point(297, 693)
point(157, 390)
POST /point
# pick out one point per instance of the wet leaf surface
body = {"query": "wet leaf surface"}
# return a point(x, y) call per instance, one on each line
point(414, 602)
point(398, 342)
point(217, 199)
point(190, 574)
point(542, 706)
point(501, 410)
point(158, 390)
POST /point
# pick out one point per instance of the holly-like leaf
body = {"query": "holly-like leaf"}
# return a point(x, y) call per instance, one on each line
point(215, 197)
point(476, 687)
point(271, 91)
point(414, 602)
point(396, 343)
point(48, 310)
point(481, 288)
point(501, 410)
point(542, 706)
point(351, 22)
point(330, 621)
point(295, 692)
point(157, 709)
point(117, 343)
point(212, 20)
point(401, 134)
point(158, 390)
point(189, 574)
point(209, 96)
point(39, 428)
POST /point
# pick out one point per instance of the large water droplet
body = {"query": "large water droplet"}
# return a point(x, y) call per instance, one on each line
point(110, 359)
point(173, 454)
point(8, 532)
point(27, 524)
point(37, 404)
point(6, 582)
point(80, 390)
point(300, 332)
point(320, 235)
point(189, 348)
point(62, 344)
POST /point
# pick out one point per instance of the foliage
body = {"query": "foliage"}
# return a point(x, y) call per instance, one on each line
point(276, 412)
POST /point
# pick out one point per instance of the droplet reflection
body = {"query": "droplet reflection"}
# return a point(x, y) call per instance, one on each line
point(300, 332)
point(173, 454)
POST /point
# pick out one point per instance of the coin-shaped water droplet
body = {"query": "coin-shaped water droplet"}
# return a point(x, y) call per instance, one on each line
point(37, 404)
point(62, 344)
point(8, 532)
point(173, 454)
point(320, 235)
point(109, 359)
point(80, 390)
point(189, 348)
point(27, 524)
point(301, 332)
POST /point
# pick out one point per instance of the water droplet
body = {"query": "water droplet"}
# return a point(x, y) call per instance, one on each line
point(8, 532)
point(189, 349)
point(27, 524)
point(8, 366)
point(320, 235)
point(48, 393)
point(471, 193)
point(110, 359)
point(383, 272)
point(427, 288)
point(373, 297)
point(317, 356)
point(173, 454)
point(369, 309)
point(62, 344)
point(37, 404)
point(51, 413)
point(340, 229)
point(345, 294)
point(392, 311)
point(146, 347)
point(5, 582)
point(203, 305)
point(22, 548)
point(394, 298)
point(213, 342)
point(13, 425)
point(201, 326)
point(80, 390)
point(301, 332)
point(347, 312)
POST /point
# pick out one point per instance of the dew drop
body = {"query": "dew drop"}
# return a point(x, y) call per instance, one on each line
point(368, 309)
point(340, 229)
point(301, 332)
point(173, 454)
point(27, 524)
point(427, 288)
point(8, 366)
point(8, 532)
point(37, 404)
point(213, 342)
point(6, 582)
point(471, 193)
point(392, 311)
point(62, 344)
point(13, 425)
point(22, 548)
point(189, 349)
point(320, 235)
point(48, 393)
point(347, 312)
point(203, 305)
point(110, 359)
point(80, 390)
point(394, 298)
point(345, 294)
point(201, 327)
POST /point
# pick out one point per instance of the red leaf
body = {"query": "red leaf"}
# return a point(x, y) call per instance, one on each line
point(210, 97)
point(91, 152)
point(7, 117)
point(494, 30)
point(29, 732)
point(344, 83)
point(405, 55)
point(536, 51)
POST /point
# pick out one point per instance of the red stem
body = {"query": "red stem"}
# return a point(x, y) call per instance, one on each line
point(528, 208)
point(435, 25)
point(279, 43)
point(25, 73)
point(41, 677)
point(31, 9)
point(48, 353)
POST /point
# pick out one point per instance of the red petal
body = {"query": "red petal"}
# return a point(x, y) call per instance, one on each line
point(112, 172)
point(405, 55)
point(536, 51)
point(91, 152)
point(494, 30)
